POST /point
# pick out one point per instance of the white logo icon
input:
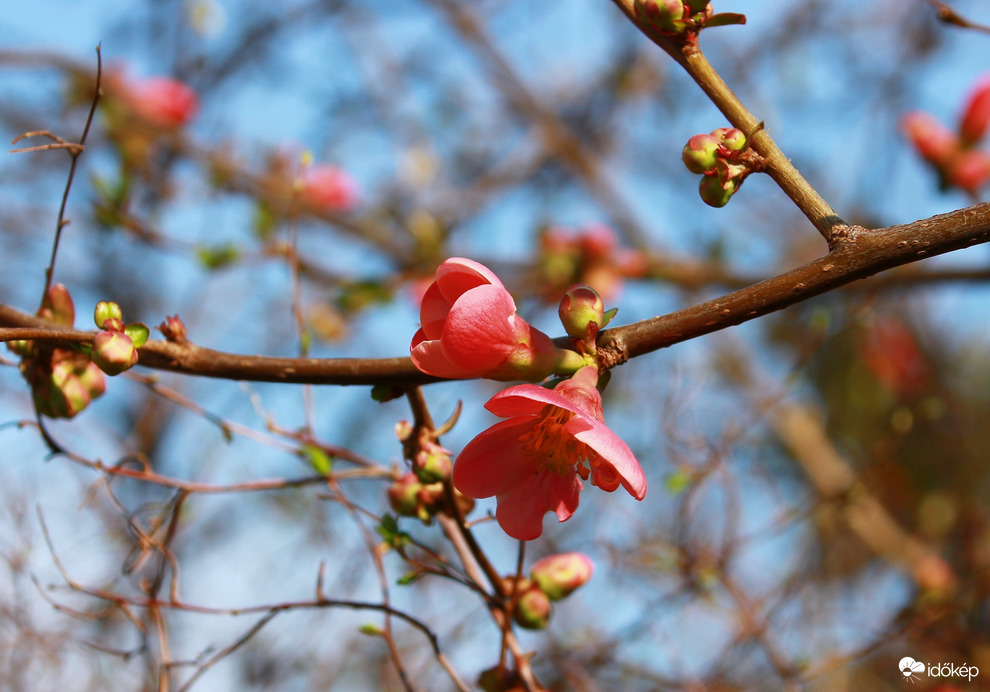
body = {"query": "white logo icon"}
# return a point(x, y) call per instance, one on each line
point(910, 668)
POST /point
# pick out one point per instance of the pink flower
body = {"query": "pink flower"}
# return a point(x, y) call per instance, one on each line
point(934, 141)
point(330, 188)
point(534, 462)
point(161, 101)
point(470, 329)
point(976, 114)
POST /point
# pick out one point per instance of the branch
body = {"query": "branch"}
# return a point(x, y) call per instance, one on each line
point(859, 253)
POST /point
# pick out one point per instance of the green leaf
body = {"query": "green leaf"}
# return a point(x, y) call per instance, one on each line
point(678, 481)
point(218, 256)
point(321, 462)
point(138, 333)
point(408, 578)
point(371, 630)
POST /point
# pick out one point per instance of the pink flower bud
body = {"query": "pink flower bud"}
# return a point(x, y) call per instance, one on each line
point(432, 465)
point(532, 609)
point(403, 495)
point(329, 188)
point(969, 171)
point(558, 576)
point(57, 306)
point(161, 101)
point(667, 16)
point(113, 352)
point(581, 308)
point(731, 138)
point(930, 138)
point(93, 379)
point(699, 154)
point(173, 329)
point(976, 114)
point(65, 396)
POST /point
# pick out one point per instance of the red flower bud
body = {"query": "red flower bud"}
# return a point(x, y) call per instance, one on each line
point(558, 576)
point(580, 308)
point(976, 114)
point(930, 138)
point(113, 352)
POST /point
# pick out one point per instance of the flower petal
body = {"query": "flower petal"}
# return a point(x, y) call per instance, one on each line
point(493, 462)
point(429, 357)
point(613, 451)
point(433, 312)
point(520, 510)
point(478, 332)
point(458, 275)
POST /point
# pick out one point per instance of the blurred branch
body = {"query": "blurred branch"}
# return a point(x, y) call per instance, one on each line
point(949, 16)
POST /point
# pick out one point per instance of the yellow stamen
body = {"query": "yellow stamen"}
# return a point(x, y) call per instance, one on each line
point(555, 449)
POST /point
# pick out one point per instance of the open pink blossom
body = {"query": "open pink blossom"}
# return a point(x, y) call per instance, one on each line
point(328, 187)
point(161, 101)
point(534, 462)
point(469, 328)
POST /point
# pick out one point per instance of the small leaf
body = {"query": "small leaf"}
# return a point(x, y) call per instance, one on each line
point(321, 462)
point(678, 481)
point(138, 333)
point(371, 630)
point(408, 578)
point(218, 256)
point(726, 19)
point(386, 392)
point(607, 317)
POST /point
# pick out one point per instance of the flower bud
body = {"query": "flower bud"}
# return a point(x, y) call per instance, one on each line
point(65, 395)
point(930, 138)
point(93, 379)
point(107, 311)
point(403, 495)
point(532, 609)
point(432, 465)
point(664, 15)
point(558, 576)
point(969, 171)
point(173, 329)
point(57, 306)
point(699, 6)
point(403, 430)
point(731, 138)
point(699, 154)
point(113, 352)
point(976, 114)
point(713, 193)
point(580, 308)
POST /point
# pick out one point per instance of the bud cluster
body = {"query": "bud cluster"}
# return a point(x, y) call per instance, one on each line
point(63, 381)
point(955, 155)
point(420, 493)
point(115, 348)
point(553, 578)
point(724, 159)
point(683, 18)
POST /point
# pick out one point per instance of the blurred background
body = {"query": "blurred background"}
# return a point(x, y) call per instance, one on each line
point(818, 504)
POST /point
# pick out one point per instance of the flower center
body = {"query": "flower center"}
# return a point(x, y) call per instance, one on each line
point(555, 449)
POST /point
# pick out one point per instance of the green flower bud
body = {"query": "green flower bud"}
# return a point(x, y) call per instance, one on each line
point(113, 352)
point(558, 576)
point(107, 311)
point(532, 609)
point(432, 465)
point(403, 495)
point(665, 15)
point(700, 152)
point(580, 308)
point(731, 138)
point(713, 193)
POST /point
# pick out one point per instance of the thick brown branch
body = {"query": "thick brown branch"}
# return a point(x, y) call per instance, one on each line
point(860, 253)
